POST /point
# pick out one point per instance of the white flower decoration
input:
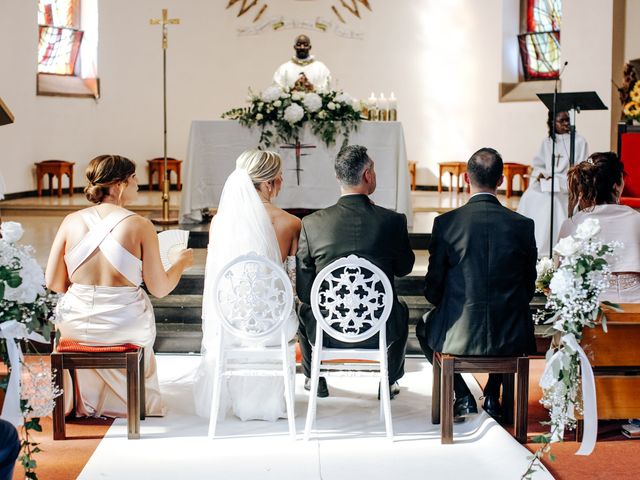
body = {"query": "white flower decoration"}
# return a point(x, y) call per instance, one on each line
point(322, 115)
point(296, 96)
point(277, 103)
point(544, 265)
point(562, 283)
point(259, 116)
point(331, 106)
point(293, 113)
point(588, 229)
point(271, 94)
point(312, 102)
point(567, 246)
point(11, 231)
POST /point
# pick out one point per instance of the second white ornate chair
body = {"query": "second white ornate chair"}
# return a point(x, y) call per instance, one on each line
point(351, 300)
point(253, 298)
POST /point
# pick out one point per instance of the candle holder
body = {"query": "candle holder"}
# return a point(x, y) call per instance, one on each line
point(373, 114)
point(393, 115)
point(383, 115)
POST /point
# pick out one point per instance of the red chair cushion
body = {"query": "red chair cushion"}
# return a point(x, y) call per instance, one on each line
point(630, 156)
point(67, 345)
point(633, 202)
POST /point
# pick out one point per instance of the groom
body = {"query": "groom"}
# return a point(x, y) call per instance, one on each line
point(354, 226)
point(481, 278)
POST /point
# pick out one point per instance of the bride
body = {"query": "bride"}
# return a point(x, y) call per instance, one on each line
point(247, 221)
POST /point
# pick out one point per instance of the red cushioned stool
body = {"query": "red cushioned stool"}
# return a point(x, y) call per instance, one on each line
point(71, 355)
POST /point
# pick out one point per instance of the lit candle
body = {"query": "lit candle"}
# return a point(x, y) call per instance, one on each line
point(371, 101)
point(383, 103)
point(393, 102)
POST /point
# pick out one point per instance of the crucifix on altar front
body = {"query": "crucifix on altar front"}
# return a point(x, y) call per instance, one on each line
point(297, 147)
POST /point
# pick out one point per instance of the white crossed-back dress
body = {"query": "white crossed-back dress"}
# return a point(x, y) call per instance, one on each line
point(103, 315)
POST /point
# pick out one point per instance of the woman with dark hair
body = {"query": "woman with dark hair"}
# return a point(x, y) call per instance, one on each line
point(536, 201)
point(99, 258)
point(595, 187)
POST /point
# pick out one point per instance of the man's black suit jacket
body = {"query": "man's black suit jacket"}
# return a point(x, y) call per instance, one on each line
point(481, 278)
point(353, 226)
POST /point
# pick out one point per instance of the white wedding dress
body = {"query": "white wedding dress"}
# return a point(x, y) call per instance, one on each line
point(240, 226)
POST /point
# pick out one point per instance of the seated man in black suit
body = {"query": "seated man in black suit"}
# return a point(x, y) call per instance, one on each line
point(9, 449)
point(481, 278)
point(354, 226)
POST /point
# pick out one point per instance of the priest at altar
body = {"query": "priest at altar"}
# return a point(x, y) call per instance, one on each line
point(303, 64)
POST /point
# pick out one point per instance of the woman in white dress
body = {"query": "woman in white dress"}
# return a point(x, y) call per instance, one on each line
point(595, 187)
point(247, 221)
point(536, 200)
point(99, 258)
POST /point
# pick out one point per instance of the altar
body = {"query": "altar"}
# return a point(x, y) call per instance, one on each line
point(215, 145)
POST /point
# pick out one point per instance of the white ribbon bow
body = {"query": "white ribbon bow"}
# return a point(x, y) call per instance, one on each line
point(590, 411)
point(12, 331)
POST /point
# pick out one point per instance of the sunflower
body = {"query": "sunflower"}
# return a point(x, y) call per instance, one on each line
point(635, 93)
point(632, 110)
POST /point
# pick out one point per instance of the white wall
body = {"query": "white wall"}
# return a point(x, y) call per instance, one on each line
point(442, 59)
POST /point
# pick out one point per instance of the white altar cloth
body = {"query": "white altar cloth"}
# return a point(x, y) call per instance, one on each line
point(215, 145)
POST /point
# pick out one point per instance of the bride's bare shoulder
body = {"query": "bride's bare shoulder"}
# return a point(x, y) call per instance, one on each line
point(284, 220)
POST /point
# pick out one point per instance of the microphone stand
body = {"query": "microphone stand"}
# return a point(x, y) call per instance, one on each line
point(553, 156)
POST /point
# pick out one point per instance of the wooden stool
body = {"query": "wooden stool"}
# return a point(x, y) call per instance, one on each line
point(412, 172)
point(57, 168)
point(510, 170)
point(454, 169)
point(445, 366)
point(129, 357)
point(157, 165)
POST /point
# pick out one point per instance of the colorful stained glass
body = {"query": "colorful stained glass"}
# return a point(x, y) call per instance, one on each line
point(58, 50)
point(540, 45)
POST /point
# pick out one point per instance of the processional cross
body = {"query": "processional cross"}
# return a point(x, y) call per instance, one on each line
point(164, 21)
point(297, 147)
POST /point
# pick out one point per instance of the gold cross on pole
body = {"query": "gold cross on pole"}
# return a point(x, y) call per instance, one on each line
point(164, 21)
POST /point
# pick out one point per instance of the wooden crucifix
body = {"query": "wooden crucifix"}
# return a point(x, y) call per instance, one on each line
point(297, 147)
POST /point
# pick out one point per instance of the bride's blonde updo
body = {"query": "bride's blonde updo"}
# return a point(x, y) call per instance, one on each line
point(261, 165)
point(105, 171)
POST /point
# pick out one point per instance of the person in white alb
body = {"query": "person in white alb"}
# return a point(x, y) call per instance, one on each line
point(536, 200)
point(305, 64)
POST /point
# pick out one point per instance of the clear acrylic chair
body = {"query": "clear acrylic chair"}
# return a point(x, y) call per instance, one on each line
point(351, 300)
point(253, 298)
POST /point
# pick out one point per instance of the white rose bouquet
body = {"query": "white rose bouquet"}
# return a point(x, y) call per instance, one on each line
point(281, 113)
point(26, 312)
point(573, 304)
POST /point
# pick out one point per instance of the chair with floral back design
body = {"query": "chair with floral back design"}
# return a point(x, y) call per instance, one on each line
point(351, 300)
point(253, 298)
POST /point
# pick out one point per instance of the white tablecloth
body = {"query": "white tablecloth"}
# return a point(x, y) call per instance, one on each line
point(215, 145)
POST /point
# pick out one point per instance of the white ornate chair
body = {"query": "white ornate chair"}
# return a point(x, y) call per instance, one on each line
point(351, 300)
point(253, 299)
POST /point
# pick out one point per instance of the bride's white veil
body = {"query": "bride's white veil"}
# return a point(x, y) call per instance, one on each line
point(241, 225)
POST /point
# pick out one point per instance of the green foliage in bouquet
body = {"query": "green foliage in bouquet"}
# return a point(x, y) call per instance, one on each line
point(281, 113)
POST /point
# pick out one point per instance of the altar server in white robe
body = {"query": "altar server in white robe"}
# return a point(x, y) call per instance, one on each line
point(99, 258)
point(536, 200)
point(302, 62)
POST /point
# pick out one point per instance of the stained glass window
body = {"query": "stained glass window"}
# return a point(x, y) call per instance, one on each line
point(59, 39)
point(540, 44)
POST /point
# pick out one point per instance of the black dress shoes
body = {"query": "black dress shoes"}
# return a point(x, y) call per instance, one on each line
point(464, 407)
point(492, 406)
point(394, 389)
point(323, 390)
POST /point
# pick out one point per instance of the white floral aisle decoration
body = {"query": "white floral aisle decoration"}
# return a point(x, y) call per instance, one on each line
point(26, 312)
point(573, 290)
point(280, 113)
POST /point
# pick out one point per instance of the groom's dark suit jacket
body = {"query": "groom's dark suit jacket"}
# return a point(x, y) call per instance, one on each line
point(481, 278)
point(353, 226)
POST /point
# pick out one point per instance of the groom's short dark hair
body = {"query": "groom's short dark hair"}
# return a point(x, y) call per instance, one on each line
point(485, 168)
point(350, 164)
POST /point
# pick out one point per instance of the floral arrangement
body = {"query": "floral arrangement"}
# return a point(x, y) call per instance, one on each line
point(26, 311)
point(280, 113)
point(573, 303)
point(630, 94)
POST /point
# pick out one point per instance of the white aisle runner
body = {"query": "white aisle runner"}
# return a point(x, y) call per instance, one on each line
point(351, 444)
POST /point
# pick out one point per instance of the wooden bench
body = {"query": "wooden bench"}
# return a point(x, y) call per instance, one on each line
point(511, 170)
point(54, 168)
point(454, 169)
point(157, 165)
point(615, 359)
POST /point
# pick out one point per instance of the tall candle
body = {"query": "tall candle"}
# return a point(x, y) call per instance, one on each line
point(383, 103)
point(393, 102)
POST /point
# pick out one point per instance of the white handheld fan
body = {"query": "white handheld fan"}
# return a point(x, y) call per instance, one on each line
point(171, 242)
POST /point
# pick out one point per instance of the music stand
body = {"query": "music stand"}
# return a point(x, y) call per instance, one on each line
point(6, 116)
point(573, 103)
